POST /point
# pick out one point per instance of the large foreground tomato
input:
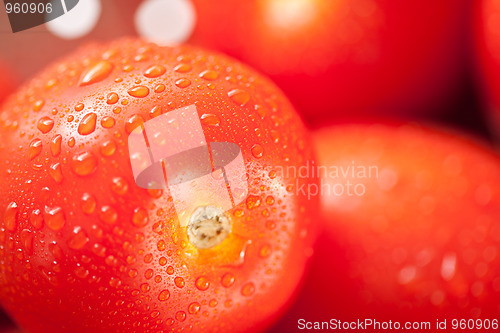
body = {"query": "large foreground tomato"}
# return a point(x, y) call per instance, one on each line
point(344, 58)
point(83, 248)
point(415, 235)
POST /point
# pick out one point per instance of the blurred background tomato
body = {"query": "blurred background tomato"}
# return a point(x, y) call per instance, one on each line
point(345, 59)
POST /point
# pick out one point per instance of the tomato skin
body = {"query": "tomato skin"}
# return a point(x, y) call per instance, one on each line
point(488, 54)
point(339, 59)
point(7, 82)
point(420, 244)
point(77, 255)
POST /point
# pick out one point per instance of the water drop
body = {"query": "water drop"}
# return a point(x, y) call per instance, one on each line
point(133, 122)
point(239, 96)
point(119, 185)
point(161, 245)
point(45, 125)
point(183, 68)
point(253, 201)
point(36, 218)
point(155, 111)
point(54, 217)
point(115, 282)
point(139, 91)
point(84, 164)
point(210, 119)
point(108, 148)
point(37, 106)
point(209, 75)
point(10, 218)
point(179, 282)
point(140, 217)
point(180, 316)
point(227, 280)
point(35, 148)
point(96, 73)
point(55, 145)
point(257, 150)
point(202, 283)
point(87, 124)
point(265, 251)
point(248, 289)
point(154, 71)
point(112, 98)
point(194, 307)
point(55, 171)
point(78, 239)
point(108, 214)
point(81, 272)
point(182, 83)
point(88, 203)
point(160, 88)
point(107, 122)
point(79, 107)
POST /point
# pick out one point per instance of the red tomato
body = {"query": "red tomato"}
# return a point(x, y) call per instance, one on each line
point(7, 82)
point(85, 249)
point(415, 238)
point(487, 38)
point(343, 58)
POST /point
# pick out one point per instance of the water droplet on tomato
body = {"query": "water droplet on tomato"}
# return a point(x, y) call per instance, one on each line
point(107, 122)
point(209, 75)
point(108, 214)
point(164, 295)
point(36, 218)
point(55, 145)
point(87, 124)
point(253, 201)
point(210, 119)
point(108, 148)
point(37, 106)
point(239, 96)
point(248, 289)
point(140, 217)
point(119, 185)
point(133, 122)
point(265, 251)
point(202, 283)
point(10, 218)
point(139, 91)
point(88, 203)
point(84, 164)
point(154, 71)
point(194, 307)
point(179, 282)
point(180, 316)
point(79, 107)
point(78, 239)
point(183, 83)
point(183, 68)
point(55, 171)
point(35, 148)
point(257, 150)
point(97, 73)
point(54, 217)
point(112, 98)
point(45, 125)
point(227, 280)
